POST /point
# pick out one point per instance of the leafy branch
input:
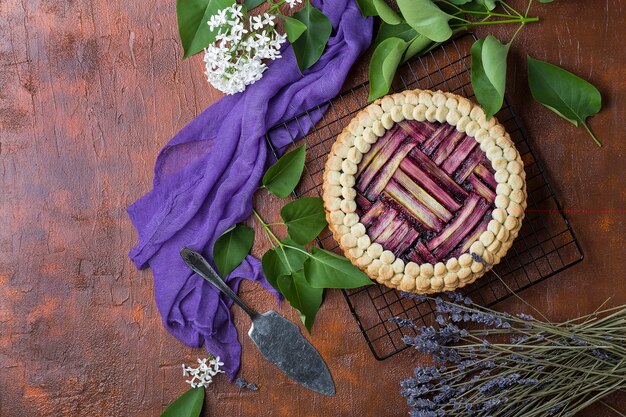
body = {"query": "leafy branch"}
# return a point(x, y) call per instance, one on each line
point(421, 25)
point(308, 30)
point(298, 272)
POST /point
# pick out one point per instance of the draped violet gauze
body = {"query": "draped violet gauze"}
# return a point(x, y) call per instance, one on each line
point(205, 178)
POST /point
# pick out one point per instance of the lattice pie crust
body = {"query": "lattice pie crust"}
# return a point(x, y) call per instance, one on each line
point(425, 174)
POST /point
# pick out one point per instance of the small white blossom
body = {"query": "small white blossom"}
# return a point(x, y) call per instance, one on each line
point(202, 375)
point(218, 19)
point(292, 3)
point(256, 22)
point(236, 58)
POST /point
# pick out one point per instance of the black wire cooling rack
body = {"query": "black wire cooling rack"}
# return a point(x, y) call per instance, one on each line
point(545, 245)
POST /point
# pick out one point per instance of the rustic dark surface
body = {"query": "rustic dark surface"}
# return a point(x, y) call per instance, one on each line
point(91, 90)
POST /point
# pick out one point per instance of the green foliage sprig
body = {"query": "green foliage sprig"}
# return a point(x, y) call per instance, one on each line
point(308, 30)
point(298, 272)
point(421, 25)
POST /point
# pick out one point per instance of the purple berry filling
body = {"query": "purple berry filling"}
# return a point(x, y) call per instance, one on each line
point(425, 191)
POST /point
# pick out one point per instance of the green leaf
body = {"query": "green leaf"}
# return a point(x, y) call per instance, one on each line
point(294, 28)
point(305, 219)
point(282, 177)
point(310, 45)
point(546, 1)
point(386, 13)
point(427, 19)
point(417, 46)
point(272, 267)
point(232, 247)
point(367, 7)
point(475, 5)
point(569, 96)
point(402, 31)
point(283, 260)
point(488, 72)
point(193, 29)
point(251, 4)
point(304, 298)
point(326, 270)
point(187, 405)
point(383, 65)
point(486, 4)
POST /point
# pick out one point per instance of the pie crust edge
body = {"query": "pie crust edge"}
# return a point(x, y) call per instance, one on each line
point(363, 131)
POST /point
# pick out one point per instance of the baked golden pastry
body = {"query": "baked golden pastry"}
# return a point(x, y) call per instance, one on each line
point(423, 193)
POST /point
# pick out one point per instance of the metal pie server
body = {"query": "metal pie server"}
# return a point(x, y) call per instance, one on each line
point(279, 340)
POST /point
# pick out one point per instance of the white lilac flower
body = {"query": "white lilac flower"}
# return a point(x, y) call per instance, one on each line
point(256, 22)
point(202, 375)
point(236, 58)
point(292, 3)
point(218, 19)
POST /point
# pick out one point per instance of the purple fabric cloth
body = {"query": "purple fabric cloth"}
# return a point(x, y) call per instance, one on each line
point(206, 175)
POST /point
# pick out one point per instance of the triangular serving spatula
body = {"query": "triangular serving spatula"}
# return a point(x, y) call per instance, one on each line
point(279, 340)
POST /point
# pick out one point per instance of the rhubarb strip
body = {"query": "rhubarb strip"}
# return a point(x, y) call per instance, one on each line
point(464, 214)
point(380, 159)
point(436, 173)
point(412, 205)
point(401, 240)
point(397, 227)
point(375, 149)
point(362, 202)
point(452, 235)
point(412, 255)
point(423, 196)
point(475, 157)
point(459, 155)
point(417, 130)
point(424, 253)
point(442, 132)
point(362, 205)
point(384, 175)
point(372, 214)
point(486, 175)
point(481, 189)
point(384, 222)
point(423, 179)
point(471, 238)
point(447, 146)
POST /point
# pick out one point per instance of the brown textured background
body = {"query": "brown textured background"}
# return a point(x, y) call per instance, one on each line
point(91, 90)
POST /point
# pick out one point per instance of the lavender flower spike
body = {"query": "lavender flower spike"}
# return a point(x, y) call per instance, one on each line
point(479, 258)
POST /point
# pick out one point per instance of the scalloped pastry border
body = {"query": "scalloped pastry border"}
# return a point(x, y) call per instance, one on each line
point(363, 131)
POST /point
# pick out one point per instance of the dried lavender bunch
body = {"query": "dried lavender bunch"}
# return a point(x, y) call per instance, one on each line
point(497, 364)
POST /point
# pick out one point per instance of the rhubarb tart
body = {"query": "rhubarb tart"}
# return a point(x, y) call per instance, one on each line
point(423, 193)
